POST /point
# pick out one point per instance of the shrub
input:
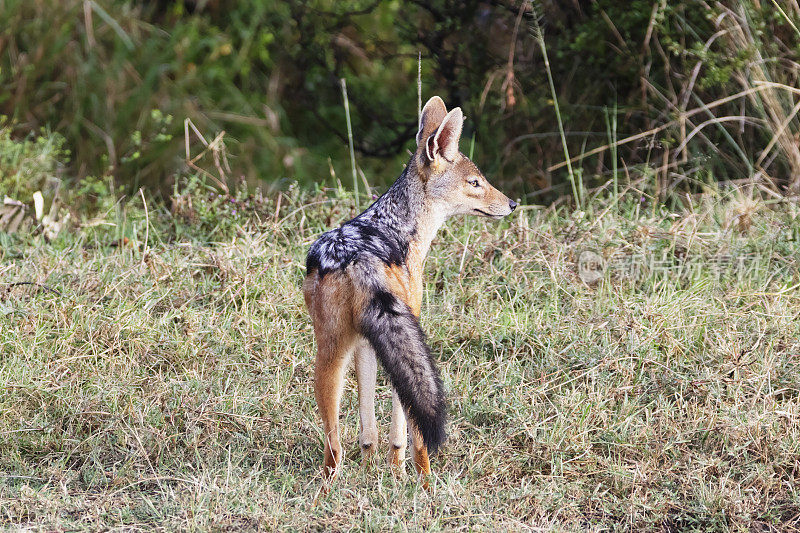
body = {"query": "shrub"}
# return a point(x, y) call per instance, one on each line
point(30, 164)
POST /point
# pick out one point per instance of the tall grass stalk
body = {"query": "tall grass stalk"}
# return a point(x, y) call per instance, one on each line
point(472, 146)
point(611, 133)
point(350, 142)
point(540, 39)
point(786, 17)
point(419, 86)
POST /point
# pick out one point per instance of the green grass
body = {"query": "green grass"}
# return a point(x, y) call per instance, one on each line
point(173, 389)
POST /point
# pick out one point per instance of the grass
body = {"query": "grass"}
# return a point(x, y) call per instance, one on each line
point(173, 389)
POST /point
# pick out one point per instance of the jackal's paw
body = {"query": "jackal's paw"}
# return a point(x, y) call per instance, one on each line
point(368, 452)
point(333, 461)
point(396, 457)
point(329, 473)
point(369, 443)
point(425, 481)
point(368, 455)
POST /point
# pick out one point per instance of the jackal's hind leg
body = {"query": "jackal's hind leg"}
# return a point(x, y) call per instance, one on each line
point(328, 383)
point(366, 371)
point(398, 433)
point(420, 454)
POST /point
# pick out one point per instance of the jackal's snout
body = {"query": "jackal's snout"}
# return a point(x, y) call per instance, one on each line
point(494, 204)
point(512, 205)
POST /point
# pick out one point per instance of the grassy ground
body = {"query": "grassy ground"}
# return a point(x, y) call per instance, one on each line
point(168, 382)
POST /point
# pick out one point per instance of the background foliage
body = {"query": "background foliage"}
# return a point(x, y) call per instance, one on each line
point(624, 359)
point(117, 79)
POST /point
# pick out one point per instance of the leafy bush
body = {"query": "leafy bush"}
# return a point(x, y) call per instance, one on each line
point(30, 164)
point(118, 77)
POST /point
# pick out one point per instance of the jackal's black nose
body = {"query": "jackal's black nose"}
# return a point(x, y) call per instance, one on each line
point(512, 204)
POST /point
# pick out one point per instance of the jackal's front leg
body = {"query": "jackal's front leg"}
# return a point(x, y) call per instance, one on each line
point(366, 372)
point(398, 433)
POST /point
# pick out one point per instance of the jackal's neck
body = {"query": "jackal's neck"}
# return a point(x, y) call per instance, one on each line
point(407, 214)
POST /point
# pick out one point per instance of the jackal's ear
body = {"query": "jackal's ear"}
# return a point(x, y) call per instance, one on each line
point(445, 141)
point(432, 115)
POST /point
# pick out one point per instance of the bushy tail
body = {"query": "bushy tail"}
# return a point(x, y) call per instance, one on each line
point(399, 342)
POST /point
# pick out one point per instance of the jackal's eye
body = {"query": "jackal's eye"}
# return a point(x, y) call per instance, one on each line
point(474, 182)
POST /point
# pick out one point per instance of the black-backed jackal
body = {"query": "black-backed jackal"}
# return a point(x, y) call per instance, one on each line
point(363, 289)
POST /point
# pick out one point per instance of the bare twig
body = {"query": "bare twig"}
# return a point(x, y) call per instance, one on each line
point(33, 283)
point(146, 224)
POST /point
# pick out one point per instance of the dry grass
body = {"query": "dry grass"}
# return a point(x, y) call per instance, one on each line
point(173, 389)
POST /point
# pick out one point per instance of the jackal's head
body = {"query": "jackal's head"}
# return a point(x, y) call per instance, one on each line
point(452, 182)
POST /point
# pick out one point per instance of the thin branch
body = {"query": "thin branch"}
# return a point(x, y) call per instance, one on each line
point(33, 283)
